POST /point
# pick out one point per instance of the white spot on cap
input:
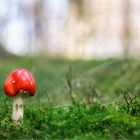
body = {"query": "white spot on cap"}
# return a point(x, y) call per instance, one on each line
point(31, 83)
point(23, 79)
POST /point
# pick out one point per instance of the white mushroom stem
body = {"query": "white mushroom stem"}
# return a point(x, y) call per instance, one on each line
point(17, 112)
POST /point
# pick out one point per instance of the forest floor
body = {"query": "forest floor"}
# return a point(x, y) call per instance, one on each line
point(94, 99)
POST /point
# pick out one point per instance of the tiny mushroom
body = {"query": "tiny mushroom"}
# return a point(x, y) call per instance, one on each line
point(19, 84)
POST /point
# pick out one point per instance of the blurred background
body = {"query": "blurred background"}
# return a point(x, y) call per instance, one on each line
point(70, 28)
point(72, 47)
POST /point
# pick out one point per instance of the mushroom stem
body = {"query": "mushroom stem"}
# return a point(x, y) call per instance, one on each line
point(17, 112)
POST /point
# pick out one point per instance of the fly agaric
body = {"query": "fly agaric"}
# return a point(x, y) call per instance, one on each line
point(19, 84)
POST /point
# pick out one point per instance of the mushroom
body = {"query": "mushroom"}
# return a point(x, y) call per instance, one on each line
point(19, 84)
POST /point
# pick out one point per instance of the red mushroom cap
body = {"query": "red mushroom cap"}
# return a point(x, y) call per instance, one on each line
point(19, 80)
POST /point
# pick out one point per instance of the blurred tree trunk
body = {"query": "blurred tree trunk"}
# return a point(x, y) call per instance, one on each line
point(78, 27)
point(79, 7)
point(37, 40)
point(126, 38)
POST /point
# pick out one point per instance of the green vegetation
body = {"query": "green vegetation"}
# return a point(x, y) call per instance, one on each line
point(96, 99)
